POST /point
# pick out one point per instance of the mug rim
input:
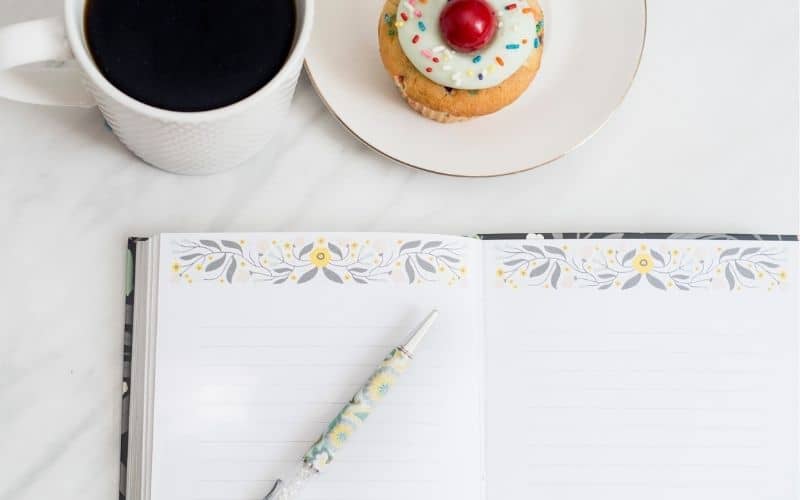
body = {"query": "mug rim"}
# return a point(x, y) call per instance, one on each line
point(75, 29)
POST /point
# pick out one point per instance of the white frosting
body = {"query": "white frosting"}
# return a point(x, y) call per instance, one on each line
point(516, 38)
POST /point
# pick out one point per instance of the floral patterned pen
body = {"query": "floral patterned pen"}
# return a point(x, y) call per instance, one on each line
point(322, 452)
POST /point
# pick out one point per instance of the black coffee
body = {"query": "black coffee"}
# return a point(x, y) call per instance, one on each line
point(190, 55)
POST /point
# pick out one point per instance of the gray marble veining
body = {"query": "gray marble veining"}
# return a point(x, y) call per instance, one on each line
point(706, 141)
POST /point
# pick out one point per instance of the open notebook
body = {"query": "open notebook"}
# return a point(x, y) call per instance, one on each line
point(562, 367)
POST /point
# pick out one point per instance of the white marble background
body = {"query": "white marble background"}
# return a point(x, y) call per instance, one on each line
point(707, 140)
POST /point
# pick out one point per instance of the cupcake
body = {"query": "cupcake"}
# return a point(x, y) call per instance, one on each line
point(456, 59)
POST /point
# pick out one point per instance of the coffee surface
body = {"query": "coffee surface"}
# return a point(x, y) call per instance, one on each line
point(190, 55)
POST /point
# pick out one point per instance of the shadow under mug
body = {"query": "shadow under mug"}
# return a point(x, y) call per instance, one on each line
point(193, 143)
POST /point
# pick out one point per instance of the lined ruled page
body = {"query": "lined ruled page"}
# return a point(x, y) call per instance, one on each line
point(647, 392)
point(250, 372)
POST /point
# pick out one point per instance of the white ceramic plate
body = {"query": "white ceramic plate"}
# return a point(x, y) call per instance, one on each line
point(592, 52)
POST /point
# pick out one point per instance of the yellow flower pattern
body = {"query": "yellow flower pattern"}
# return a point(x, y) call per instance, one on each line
point(643, 263)
point(339, 434)
point(412, 262)
point(357, 410)
point(379, 385)
point(320, 257)
point(663, 267)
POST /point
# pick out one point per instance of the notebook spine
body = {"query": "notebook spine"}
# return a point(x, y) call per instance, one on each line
point(639, 236)
point(127, 353)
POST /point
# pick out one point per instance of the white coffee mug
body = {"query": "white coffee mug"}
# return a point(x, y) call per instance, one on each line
point(186, 143)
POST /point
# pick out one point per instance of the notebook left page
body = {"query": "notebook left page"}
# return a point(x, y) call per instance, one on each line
point(262, 338)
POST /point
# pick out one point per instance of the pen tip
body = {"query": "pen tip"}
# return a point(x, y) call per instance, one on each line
point(417, 335)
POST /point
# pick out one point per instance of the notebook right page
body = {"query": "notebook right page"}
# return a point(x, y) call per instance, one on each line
point(629, 369)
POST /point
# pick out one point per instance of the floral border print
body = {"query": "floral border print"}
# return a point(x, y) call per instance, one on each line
point(672, 266)
point(340, 261)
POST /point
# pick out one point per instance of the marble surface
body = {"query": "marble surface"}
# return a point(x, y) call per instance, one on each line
point(707, 140)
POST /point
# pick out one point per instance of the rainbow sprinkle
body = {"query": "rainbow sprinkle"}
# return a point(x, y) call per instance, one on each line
point(442, 54)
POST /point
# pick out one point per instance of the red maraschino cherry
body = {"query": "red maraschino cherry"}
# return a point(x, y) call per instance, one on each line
point(467, 25)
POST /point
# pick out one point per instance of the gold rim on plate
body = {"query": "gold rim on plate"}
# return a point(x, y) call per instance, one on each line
point(580, 143)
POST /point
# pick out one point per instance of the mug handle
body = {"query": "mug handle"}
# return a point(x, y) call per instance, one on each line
point(56, 83)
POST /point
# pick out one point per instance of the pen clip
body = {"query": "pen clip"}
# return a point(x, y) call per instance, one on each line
point(273, 490)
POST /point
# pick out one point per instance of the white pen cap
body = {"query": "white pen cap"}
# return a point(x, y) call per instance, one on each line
point(419, 333)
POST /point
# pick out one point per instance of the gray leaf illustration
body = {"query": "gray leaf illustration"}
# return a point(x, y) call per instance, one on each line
point(606, 286)
point(680, 277)
point(216, 264)
point(538, 271)
point(655, 282)
point(357, 270)
point(628, 256)
point(209, 243)
point(332, 275)
point(304, 251)
point(745, 272)
point(307, 276)
point(431, 244)
point(682, 287)
point(282, 280)
point(425, 265)
point(768, 264)
point(231, 270)
point(191, 256)
point(729, 277)
point(448, 258)
point(605, 276)
point(335, 249)
point(359, 280)
point(728, 252)
point(410, 245)
point(410, 271)
point(231, 244)
point(555, 276)
point(657, 255)
point(749, 251)
point(555, 251)
point(514, 262)
point(632, 282)
point(282, 270)
point(533, 249)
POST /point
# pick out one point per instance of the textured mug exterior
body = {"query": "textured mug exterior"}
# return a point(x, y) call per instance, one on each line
point(198, 143)
point(204, 146)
